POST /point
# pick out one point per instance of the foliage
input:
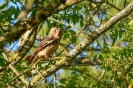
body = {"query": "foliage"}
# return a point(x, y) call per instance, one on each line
point(114, 49)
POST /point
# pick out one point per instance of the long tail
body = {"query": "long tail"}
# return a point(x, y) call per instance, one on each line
point(28, 59)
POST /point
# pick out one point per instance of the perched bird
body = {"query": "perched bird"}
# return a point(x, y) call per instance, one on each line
point(47, 46)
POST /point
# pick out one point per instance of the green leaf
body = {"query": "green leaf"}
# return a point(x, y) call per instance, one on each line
point(4, 5)
point(131, 22)
point(67, 19)
point(17, 12)
point(73, 39)
point(100, 56)
point(114, 33)
point(72, 81)
point(81, 20)
point(108, 68)
point(65, 36)
point(73, 73)
point(75, 18)
point(2, 62)
point(81, 23)
point(61, 86)
point(72, 32)
point(63, 80)
point(120, 33)
point(34, 11)
point(1, 32)
point(75, 77)
point(130, 75)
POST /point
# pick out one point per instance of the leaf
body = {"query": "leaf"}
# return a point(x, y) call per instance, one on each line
point(63, 80)
point(2, 62)
point(67, 19)
point(1, 32)
point(130, 75)
point(120, 33)
point(61, 86)
point(4, 5)
point(100, 56)
point(75, 18)
point(72, 32)
point(65, 36)
point(72, 81)
point(108, 68)
point(131, 22)
point(73, 39)
point(17, 12)
point(81, 23)
point(114, 33)
point(34, 11)
point(73, 73)
point(75, 77)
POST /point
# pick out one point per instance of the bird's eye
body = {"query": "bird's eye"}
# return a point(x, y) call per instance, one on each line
point(56, 30)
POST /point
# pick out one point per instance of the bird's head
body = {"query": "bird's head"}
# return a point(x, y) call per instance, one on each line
point(56, 33)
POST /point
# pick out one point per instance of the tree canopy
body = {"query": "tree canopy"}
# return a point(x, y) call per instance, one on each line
point(95, 50)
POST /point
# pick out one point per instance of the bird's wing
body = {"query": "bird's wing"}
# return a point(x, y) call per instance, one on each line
point(43, 44)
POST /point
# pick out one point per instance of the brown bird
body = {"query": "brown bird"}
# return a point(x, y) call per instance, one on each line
point(47, 46)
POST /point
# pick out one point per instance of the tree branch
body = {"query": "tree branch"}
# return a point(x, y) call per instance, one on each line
point(86, 62)
point(22, 50)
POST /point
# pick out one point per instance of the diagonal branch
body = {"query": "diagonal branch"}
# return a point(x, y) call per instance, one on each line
point(22, 50)
point(66, 61)
point(71, 25)
point(26, 9)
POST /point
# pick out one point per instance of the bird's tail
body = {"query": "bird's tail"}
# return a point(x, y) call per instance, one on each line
point(28, 59)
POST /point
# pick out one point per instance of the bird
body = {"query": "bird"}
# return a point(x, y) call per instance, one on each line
point(47, 46)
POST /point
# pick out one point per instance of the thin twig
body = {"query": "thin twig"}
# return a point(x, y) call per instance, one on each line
point(99, 79)
point(21, 74)
point(71, 25)
point(39, 74)
point(54, 80)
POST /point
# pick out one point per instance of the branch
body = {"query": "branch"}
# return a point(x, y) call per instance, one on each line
point(66, 61)
point(129, 17)
point(86, 62)
point(26, 9)
point(131, 84)
point(71, 25)
point(103, 73)
point(23, 49)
